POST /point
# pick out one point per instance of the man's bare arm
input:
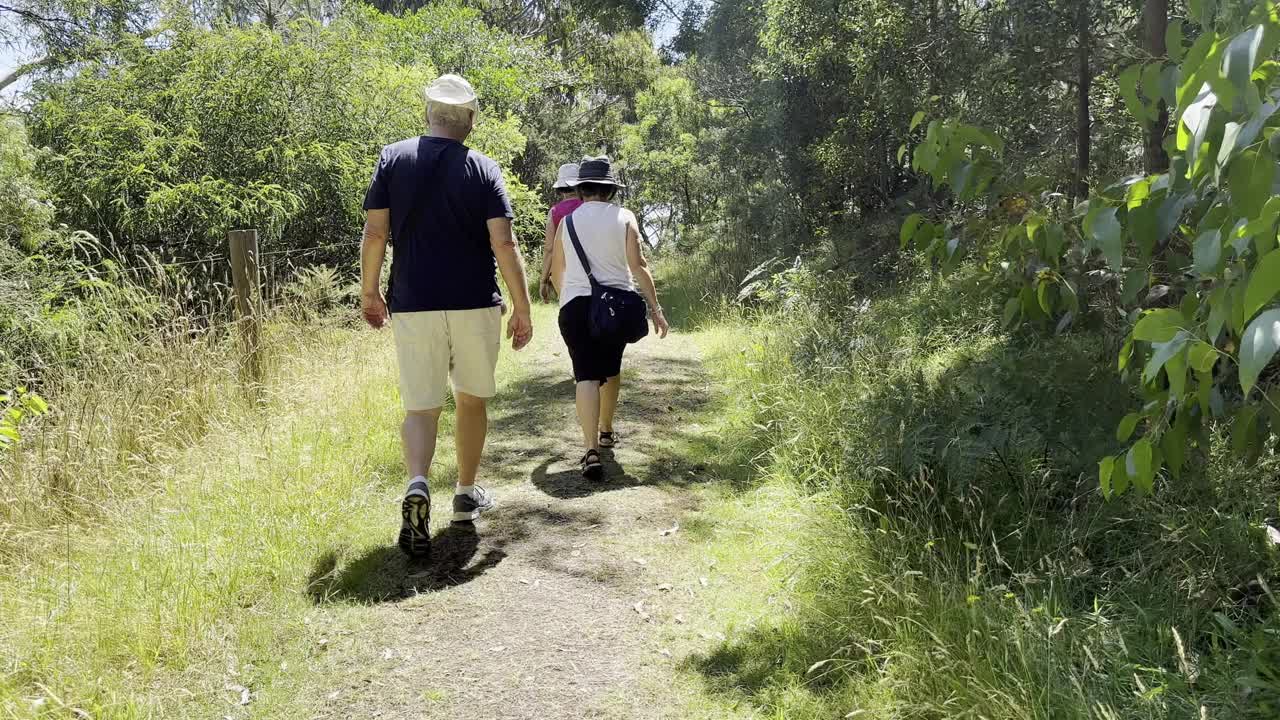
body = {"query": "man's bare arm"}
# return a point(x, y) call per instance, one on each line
point(511, 264)
point(373, 252)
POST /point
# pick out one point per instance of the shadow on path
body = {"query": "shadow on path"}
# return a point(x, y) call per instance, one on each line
point(385, 574)
point(459, 554)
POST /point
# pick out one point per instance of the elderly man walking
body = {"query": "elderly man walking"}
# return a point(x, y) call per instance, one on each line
point(444, 209)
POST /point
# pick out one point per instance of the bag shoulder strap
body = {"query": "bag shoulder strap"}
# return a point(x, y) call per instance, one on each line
point(577, 245)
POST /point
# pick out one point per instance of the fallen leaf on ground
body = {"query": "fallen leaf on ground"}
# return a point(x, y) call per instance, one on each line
point(671, 530)
point(680, 619)
point(497, 648)
point(579, 545)
point(639, 608)
point(333, 695)
point(640, 561)
point(524, 581)
point(576, 553)
point(388, 653)
point(703, 580)
point(665, 652)
point(665, 587)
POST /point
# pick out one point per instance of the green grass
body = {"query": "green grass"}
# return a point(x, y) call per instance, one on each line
point(188, 572)
point(952, 557)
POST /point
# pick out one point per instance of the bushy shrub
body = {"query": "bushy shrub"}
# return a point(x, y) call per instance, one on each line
point(974, 565)
point(168, 148)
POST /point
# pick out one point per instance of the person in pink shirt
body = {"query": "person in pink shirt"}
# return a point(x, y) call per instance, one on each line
point(566, 180)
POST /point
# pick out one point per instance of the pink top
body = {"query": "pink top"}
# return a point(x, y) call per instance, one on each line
point(561, 209)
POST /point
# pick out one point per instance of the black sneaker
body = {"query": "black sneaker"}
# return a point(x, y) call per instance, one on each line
point(415, 525)
point(469, 507)
point(592, 468)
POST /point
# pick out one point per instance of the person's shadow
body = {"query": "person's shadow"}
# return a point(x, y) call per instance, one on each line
point(569, 483)
point(385, 574)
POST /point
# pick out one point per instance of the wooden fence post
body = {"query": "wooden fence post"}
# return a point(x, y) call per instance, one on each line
point(247, 282)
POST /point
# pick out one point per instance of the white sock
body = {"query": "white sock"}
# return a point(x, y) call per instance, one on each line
point(468, 490)
point(414, 479)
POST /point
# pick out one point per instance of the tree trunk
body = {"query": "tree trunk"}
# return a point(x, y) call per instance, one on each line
point(1155, 20)
point(1083, 128)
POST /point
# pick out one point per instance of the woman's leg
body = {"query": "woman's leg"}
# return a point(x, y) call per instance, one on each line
point(609, 402)
point(588, 397)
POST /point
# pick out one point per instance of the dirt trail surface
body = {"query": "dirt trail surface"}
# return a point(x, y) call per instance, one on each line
point(550, 607)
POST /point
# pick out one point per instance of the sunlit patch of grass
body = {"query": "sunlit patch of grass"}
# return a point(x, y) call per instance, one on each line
point(189, 574)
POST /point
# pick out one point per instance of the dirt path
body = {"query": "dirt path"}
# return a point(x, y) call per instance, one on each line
point(551, 607)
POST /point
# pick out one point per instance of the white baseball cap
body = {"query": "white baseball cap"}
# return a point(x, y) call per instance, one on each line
point(567, 177)
point(453, 90)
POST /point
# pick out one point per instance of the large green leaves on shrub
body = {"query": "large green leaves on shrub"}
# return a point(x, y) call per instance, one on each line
point(1196, 244)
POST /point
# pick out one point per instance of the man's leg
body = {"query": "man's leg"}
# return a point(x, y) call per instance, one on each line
point(474, 337)
point(472, 424)
point(609, 402)
point(418, 440)
point(421, 353)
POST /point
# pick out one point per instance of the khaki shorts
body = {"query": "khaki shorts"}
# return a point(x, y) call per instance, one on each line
point(436, 346)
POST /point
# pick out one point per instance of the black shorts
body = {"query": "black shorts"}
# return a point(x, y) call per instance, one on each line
point(592, 360)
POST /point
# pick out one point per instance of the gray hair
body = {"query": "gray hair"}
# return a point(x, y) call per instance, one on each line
point(454, 118)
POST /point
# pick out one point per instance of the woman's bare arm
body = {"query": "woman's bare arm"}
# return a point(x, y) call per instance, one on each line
point(644, 278)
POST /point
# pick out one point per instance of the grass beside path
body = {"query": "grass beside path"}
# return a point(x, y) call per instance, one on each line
point(242, 584)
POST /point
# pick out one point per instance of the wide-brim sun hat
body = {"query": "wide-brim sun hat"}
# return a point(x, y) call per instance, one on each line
point(566, 177)
point(598, 171)
point(452, 90)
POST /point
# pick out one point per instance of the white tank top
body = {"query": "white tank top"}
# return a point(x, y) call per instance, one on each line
point(602, 230)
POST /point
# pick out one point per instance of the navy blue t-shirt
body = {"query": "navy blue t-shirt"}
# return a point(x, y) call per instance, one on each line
point(441, 195)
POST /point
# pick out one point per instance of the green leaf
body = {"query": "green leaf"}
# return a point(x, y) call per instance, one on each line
point(1258, 344)
point(1126, 354)
point(1042, 294)
point(36, 404)
point(1176, 370)
point(902, 152)
point(1264, 284)
point(1173, 40)
point(1219, 310)
point(1202, 356)
point(1138, 465)
point(1197, 120)
point(1012, 307)
point(1105, 467)
point(1033, 223)
point(1174, 443)
point(1135, 281)
point(1158, 326)
point(1207, 252)
point(1053, 242)
point(1120, 477)
point(1249, 180)
point(1125, 429)
point(1151, 87)
point(1162, 353)
point(1103, 229)
point(1128, 85)
point(909, 227)
point(1241, 57)
point(1244, 429)
point(1204, 390)
point(915, 120)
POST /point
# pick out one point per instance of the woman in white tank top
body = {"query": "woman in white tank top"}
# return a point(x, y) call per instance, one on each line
point(610, 239)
